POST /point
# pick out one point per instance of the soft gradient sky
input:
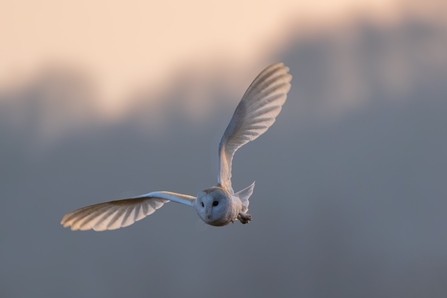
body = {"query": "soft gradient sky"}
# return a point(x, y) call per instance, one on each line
point(102, 101)
point(129, 45)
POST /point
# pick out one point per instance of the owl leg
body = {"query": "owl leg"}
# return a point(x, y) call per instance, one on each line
point(244, 218)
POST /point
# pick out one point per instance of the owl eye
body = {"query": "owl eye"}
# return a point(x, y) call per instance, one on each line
point(203, 205)
point(215, 203)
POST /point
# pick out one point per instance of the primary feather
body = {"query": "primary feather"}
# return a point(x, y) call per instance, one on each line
point(121, 213)
point(255, 113)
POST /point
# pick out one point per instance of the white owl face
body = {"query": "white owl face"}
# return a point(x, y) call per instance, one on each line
point(213, 206)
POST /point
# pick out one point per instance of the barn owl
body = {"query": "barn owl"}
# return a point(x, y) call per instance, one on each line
point(218, 205)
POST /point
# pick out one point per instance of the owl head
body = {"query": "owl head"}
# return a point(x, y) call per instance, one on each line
point(213, 206)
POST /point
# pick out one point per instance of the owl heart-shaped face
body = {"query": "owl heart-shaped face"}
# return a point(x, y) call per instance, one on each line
point(213, 206)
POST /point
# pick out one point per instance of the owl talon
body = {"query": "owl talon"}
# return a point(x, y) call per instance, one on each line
point(244, 218)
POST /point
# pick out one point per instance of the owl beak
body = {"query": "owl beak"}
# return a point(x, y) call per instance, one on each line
point(208, 213)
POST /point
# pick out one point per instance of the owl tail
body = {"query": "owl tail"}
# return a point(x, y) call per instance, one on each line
point(244, 195)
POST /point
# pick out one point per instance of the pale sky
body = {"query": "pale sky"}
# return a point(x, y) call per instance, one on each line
point(126, 45)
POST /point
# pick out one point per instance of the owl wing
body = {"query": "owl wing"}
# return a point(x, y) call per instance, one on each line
point(121, 213)
point(256, 112)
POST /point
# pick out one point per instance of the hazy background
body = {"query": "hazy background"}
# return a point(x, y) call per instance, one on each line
point(101, 101)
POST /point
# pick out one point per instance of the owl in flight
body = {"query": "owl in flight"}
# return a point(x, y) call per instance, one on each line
point(218, 205)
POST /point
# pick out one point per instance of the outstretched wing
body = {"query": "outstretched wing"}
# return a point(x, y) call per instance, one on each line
point(255, 113)
point(121, 213)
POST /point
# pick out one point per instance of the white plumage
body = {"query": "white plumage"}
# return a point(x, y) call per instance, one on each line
point(218, 205)
point(256, 112)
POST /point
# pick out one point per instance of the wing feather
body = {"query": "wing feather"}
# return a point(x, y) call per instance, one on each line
point(121, 213)
point(255, 113)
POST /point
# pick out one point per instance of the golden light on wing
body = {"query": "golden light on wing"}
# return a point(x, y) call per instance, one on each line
point(256, 112)
point(112, 215)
